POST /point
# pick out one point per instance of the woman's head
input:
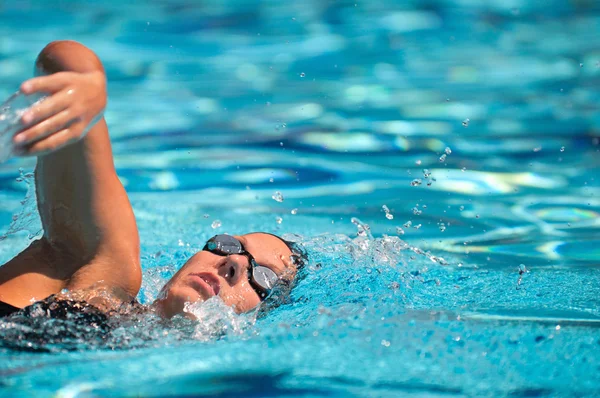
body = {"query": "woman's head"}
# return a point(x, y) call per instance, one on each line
point(239, 279)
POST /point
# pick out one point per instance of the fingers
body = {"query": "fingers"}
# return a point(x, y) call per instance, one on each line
point(46, 84)
point(51, 106)
point(44, 128)
point(52, 143)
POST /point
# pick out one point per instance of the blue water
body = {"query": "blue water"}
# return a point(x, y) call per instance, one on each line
point(477, 122)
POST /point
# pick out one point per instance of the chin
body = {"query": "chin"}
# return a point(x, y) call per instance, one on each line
point(172, 302)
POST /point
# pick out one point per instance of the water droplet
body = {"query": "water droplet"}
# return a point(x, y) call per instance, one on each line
point(206, 215)
point(416, 182)
point(581, 64)
point(562, 148)
point(461, 208)
point(271, 179)
point(442, 227)
point(416, 211)
point(418, 162)
point(417, 226)
point(466, 122)
point(537, 149)
point(216, 224)
point(399, 231)
point(426, 173)
point(180, 242)
point(279, 220)
point(277, 196)
point(363, 229)
point(386, 343)
point(443, 158)
point(294, 211)
point(302, 74)
point(408, 224)
point(448, 150)
point(388, 214)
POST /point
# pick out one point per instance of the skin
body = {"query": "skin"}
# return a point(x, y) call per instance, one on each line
point(90, 239)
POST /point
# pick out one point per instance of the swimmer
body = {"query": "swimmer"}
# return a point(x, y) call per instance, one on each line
point(90, 241)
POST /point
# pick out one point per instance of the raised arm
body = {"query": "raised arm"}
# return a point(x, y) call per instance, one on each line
point(90, 236)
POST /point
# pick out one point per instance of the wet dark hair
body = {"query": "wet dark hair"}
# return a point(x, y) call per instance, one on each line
point(281, 293)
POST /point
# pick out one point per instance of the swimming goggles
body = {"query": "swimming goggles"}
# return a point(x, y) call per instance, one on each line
point(261, 278)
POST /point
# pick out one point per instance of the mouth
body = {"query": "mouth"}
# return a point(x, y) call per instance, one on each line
point(206, 283)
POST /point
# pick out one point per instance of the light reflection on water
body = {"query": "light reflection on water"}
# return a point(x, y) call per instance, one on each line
point(340, 106)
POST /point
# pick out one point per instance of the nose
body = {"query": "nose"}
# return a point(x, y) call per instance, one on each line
point(234, 268)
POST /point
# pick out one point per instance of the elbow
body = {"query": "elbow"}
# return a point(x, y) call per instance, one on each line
point(67, 56)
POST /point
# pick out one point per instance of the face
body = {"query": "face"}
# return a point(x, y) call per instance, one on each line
point(206, 275)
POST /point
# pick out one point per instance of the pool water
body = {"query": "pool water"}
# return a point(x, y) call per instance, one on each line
point(439, 161)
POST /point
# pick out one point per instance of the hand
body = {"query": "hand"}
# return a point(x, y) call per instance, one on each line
point(75, 104)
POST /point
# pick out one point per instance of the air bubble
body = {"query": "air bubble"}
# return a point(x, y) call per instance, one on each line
point(277, 196)
point(216, 224)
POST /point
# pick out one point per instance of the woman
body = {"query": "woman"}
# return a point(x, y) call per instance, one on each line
point(90, 242)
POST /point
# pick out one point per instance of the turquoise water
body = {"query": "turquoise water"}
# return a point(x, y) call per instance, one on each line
point(476, 122)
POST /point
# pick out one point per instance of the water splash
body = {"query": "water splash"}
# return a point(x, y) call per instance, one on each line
point(28, 218)
point(214, 319)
